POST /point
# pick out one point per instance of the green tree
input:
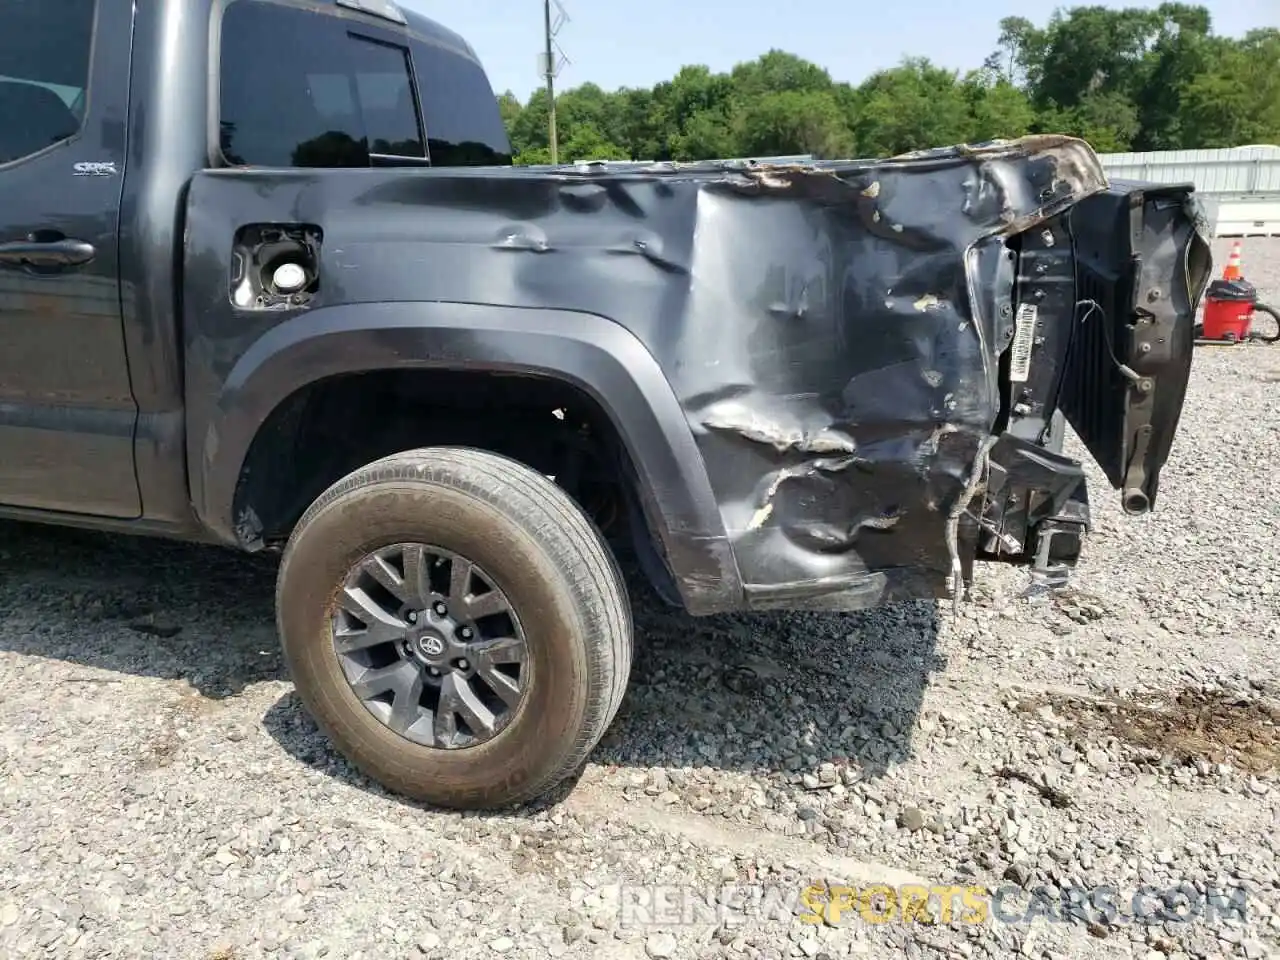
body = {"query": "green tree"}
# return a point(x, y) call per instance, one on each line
point(530, 129)
point(1092, 50)
point(689, 112)
point(533, 157)
point(1135, 78)
point(1107, 121)
point(1236, 100)
point(778, 72)
point(910, 107)
point(589, 143)
point(1019, 50)
point(589, 106)
point(641, 133)
point(791, 122)
point(510, 108)
point(704, 136)
point(1179, 52)
point(998, 109)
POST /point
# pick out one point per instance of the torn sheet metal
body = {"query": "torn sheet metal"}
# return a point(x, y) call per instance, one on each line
point(848, 391)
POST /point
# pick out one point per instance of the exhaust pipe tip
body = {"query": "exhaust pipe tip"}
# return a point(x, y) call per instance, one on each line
point(1135, 502)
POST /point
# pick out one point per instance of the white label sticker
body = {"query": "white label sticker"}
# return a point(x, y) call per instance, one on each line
point(1024, 338)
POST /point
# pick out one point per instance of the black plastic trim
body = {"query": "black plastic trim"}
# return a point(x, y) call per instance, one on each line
point(589, 352)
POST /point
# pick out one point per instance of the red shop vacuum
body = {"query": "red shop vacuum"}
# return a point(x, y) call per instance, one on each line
point(1229, 308)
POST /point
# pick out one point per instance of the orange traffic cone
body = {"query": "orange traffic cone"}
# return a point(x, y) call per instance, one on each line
point(1233, 271)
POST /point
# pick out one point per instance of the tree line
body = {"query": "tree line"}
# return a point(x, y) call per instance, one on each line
point(1127, 79)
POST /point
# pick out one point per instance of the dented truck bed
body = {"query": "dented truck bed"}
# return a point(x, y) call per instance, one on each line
point(866, 357)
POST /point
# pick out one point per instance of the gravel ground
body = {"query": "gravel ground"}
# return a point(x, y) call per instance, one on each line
point(164, 796)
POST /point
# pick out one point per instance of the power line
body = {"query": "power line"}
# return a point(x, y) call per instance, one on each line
point(551, 61)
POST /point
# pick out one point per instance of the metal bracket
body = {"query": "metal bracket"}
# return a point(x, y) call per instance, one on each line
point(1134, 500)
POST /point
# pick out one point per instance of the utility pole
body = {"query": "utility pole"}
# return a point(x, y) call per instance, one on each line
point(551, 83)
point(551, 64)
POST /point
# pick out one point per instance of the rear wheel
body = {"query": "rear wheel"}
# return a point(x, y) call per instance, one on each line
point(456, 626)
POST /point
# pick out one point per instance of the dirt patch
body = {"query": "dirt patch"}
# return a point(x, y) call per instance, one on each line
point(1189, 725)
point(164, 746)
point(1081, 606)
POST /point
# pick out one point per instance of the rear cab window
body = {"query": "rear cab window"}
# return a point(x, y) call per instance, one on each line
point(464, 126)
point(342, 91)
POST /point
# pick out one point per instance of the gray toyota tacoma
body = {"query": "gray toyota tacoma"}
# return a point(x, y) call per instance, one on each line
point(268, 279)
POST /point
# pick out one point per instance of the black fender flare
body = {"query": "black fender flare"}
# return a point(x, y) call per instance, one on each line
point(588, 351)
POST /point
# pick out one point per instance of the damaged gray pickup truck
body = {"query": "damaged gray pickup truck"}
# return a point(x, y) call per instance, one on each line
point(293, 296)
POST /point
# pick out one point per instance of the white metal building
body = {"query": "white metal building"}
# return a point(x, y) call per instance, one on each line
point(1240, 186)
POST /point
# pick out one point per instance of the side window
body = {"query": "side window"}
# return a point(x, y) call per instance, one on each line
point(44, 72)
point(464, 127)
point(328, 97)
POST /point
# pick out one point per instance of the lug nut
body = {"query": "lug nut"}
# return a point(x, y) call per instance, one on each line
point(463, 665)
point(465, 633)
point(413, 617)
point(440, 608)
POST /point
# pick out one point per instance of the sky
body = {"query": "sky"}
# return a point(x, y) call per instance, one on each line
point(616, 43)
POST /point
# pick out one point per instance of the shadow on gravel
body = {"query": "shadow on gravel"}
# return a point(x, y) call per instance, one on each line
point(775, 692)
point(147, 607)
point(755, 693)
point(762, 694)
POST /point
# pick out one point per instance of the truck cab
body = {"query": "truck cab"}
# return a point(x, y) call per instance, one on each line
point(108, 110)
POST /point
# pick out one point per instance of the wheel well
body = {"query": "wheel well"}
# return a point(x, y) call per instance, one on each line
point(328, 429)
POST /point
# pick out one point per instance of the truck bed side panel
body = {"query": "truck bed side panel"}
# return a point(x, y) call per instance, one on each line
point(832, 332)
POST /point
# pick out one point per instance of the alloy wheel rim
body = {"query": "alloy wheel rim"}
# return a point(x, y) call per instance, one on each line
point(431, 645)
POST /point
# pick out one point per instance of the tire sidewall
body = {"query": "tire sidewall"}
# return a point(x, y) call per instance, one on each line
point(534, 745)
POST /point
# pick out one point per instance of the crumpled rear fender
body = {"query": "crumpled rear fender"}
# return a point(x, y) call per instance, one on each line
point(848, 416)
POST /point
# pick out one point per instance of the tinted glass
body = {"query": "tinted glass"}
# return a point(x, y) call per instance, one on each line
point(325, 97)
point(387, 104)
point(464, 127)
point(44, 71)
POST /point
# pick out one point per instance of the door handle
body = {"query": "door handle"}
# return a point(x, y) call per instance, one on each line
point(47, 253)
